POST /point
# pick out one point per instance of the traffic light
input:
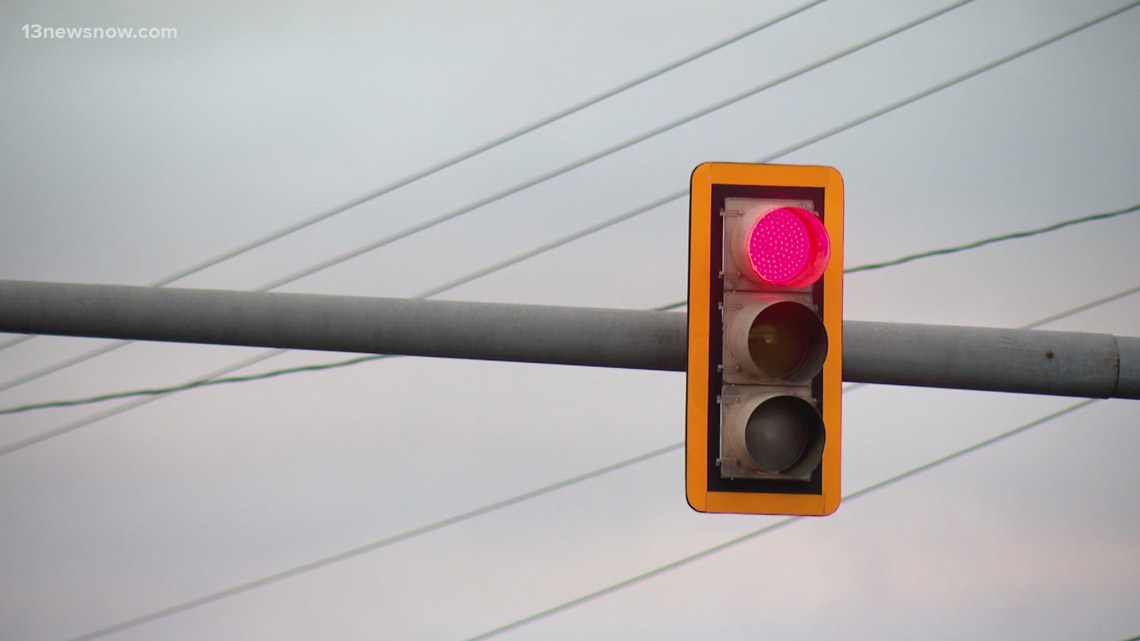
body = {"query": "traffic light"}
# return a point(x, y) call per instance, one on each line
point(765, 339)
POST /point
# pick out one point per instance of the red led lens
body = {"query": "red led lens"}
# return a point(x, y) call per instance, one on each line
point(788, 247)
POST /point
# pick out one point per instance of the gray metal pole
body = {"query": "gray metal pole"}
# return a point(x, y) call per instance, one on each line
point(1002, 360)
point(483, 331)
point(1033, 362)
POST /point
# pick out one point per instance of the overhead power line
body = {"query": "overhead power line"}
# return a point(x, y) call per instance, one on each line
point(1081, 308)
point(445, 522)
point(375, 545)
point(996, 239)
point(967, 246)
point(606, 591)
point(717, 548)
point(138, 402)
point(459, 518)
point(609, 151)
point(523, 186)
point(462, 157)
point(195, 384)
point(416, 532)
point(658, 202)
point(500, 504)
point(201, 382)
point(437, 525)
point(851, 124)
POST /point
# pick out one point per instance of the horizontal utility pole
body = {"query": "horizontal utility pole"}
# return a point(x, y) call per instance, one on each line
point(1005, 360)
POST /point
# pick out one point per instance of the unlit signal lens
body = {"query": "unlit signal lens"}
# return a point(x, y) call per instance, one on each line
point(784, 341)
point(784, 435)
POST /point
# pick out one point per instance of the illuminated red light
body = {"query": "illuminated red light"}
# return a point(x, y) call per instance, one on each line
point(788, 247)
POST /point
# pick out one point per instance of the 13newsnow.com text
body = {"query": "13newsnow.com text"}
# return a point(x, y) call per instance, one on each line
point(40, 32)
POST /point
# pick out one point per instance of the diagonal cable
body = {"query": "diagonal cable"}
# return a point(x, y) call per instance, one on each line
point(523, 186)
point(851, 124)
point(308, 567)
point(675, 196)
point(467, 155)
point(609, 151)
point(866, 490)
point(207, 382)
point(606, 591)
point(968, 246)
point(1081, 308)
point(347, 554)
point(995, 239)
point(425, 529)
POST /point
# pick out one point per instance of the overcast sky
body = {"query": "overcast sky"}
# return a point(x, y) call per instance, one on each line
point(127, 160)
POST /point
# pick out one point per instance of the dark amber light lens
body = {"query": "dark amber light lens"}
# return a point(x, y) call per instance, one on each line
point(787, 341)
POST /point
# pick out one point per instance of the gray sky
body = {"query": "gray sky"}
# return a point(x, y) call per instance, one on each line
point(127, 160)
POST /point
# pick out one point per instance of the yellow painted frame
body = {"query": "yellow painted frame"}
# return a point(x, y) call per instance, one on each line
point(701, 227)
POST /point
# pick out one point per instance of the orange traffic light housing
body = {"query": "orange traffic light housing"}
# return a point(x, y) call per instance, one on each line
point(765, 339)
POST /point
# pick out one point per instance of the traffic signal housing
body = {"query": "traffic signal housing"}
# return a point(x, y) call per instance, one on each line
point(765, 339)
